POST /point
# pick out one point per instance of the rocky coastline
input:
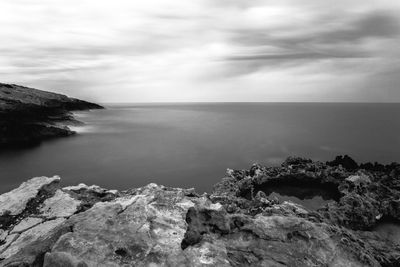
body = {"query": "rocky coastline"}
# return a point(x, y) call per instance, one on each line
point(238, 224)
point(29, 116)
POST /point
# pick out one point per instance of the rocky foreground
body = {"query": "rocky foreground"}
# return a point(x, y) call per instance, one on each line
point(28, 116)
point(43, 224)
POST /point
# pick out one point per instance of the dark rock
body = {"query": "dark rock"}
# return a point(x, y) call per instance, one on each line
point(28, 116)
point(363, 198)
point(347, 162)
point(295, 161)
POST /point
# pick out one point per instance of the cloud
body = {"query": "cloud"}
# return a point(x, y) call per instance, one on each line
point(375, 24)
point(339, 37)
point(204, 50)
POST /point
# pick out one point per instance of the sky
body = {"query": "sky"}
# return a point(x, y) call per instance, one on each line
point(204, 50)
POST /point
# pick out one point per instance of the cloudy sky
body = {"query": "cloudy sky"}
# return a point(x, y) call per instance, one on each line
point(204, 50)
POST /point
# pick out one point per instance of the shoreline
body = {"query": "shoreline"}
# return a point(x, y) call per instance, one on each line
point(29, 116)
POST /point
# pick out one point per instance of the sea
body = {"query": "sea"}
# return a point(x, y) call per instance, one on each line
point(192, 144)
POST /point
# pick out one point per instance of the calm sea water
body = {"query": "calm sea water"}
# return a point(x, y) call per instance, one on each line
point(191, 145)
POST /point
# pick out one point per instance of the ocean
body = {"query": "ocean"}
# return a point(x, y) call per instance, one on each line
point(192, 145)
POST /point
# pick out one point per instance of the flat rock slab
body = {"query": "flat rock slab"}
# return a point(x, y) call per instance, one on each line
point(28, 237)
point(60, 205)
point(6, 243)
point(15, 201)
point(153, 226)
point(25, 224)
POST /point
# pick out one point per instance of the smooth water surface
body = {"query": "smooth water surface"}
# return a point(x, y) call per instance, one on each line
point(313, 203)
point(310, 196)
point(191, 145)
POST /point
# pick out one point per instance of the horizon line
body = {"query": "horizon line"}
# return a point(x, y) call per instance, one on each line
point(248, 102)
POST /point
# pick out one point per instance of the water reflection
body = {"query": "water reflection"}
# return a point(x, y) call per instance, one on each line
point(311, 196)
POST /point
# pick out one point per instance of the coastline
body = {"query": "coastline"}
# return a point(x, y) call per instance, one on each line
point(29, 116)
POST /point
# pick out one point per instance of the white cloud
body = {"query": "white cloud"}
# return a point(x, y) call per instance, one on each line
point(203, 50)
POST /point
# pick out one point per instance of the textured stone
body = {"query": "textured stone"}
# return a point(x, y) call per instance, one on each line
point(6, 243)
point(26, 224)
point(60, 205)
point(61, 259)
point(3, 234)
point(153, 223)
point(30, 236)
point(236, 225)
point(82, 186)
point(15, 201)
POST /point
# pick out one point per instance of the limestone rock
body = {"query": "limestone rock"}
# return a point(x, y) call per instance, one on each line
point(30, 236)
point(152, 222)
point(7, 242)
point(359, 179)
point(26, 224)
point(60, 205)
point(89, 195)
point(236, 225)
point(15, 201)
point(3, 235)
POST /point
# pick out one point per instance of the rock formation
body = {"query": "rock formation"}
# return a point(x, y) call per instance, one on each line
point(43, 224)
point(28, 116)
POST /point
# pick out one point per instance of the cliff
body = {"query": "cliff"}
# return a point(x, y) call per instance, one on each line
point(28, 116)
point(44, 224)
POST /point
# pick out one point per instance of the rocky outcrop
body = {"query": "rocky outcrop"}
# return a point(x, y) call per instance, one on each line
point(235, 225)
point(28, 116)
point(363, 197)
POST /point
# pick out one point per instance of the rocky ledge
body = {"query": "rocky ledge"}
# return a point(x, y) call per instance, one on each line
point(28, 116)
point(44, 224)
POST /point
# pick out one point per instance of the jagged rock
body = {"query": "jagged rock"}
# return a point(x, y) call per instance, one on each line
point(3, 235)
point(345, 161)
point(297, 161)
point(30, 236)
point(89, 195)
point(153, 223)
point(6, 244)
point(15, 201)
point(236, 225)
point(243, 240)
point(359, 179)
point(25, 224)
point(59, 205)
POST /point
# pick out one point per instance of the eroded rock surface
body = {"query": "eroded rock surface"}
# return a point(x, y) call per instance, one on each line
point(15, 201)
point(234, 226)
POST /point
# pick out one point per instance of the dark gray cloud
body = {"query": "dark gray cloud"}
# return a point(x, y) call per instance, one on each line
point(376, 24)
point(331, 37)
point(299, 56)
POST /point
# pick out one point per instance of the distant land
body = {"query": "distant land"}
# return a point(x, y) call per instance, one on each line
point(29, 116)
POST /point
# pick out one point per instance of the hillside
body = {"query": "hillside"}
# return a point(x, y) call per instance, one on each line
point(28, 115)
